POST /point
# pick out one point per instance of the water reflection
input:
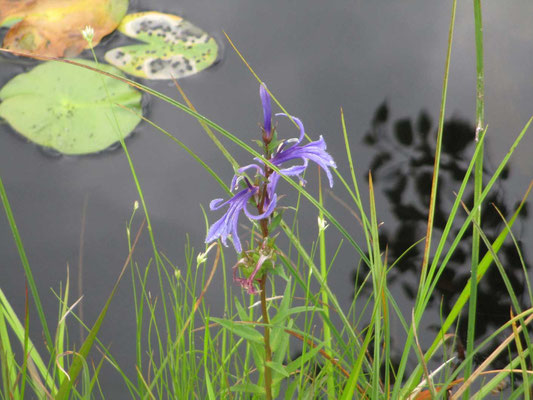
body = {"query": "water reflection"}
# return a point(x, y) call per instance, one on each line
point(402, 169)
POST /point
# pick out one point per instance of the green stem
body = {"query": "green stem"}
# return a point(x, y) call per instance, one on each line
point(478, 186)
point(420, 303)
point(268, 350)
point(325, 299)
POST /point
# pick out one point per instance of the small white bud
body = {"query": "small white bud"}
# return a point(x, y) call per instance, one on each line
point(201, 258)
point(88, 33)
point(322, 224)
point(135, 205)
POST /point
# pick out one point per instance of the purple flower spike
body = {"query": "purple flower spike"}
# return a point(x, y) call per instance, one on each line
point(267, 111)
point(227, 225)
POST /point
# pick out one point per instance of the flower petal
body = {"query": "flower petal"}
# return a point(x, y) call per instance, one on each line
point(298, 122)
point(228, 223)
point(215, 204)
point(314, 151)
point(265, 214)
point(267, 110)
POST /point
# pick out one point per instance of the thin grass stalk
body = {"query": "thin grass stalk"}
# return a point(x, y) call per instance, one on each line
point(522, 356)
point(8, 373)
point(378, 282)
point(79, 358)
point(437, 267)
point(207, 130)
point(157, 257)
point(433, 197)
point(487, 259)
point(483, 267)
point(324, 273)
point(26, 342)
point(357, 198)
point(501, 347)
point(478, 184)
point(59, 344)
point(507, 282)
point(22, 334)
point(519, 252)
point(27, 270)
point(162, 367)
point(138, 304)
point(316, 273)
point(438, 149)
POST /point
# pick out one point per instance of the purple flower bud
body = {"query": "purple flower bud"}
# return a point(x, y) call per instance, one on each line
point(267, 111)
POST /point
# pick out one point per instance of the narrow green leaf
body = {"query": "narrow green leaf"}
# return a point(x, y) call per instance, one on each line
point(209, 385)
point(248, 388)
point(247, 332)
point(304, 358)
point(278, 367)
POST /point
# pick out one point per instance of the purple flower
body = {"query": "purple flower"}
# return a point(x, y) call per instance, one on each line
point(227, 225)
point(267, 112)
point(291, 150)
point(288, 150)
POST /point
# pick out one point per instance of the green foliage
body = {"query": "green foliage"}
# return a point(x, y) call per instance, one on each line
point(67, 108)
point(319, 349)
point(172, 47)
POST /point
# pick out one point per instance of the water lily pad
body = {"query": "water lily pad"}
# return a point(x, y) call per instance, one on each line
point(52, 27)
point(65, 107)
point(173, 47)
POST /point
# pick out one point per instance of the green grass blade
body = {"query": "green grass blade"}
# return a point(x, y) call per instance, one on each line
point(26, 266)
point(79, 359)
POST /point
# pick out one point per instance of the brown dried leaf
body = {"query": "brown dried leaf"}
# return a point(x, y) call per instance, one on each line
point(53, 27)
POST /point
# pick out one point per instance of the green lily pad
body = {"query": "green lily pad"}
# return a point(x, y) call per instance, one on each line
point(172, 48)
point(67, 108)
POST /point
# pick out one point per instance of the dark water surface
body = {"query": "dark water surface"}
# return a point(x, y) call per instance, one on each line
point(381, 61)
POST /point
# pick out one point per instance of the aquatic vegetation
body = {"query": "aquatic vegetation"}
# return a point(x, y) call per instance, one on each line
point(70, 109)
point(286, 334)
point(172, 47)
point(52, 27)
point(67, 103)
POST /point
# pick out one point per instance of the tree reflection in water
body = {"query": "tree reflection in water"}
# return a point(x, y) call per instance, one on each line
point(402, 169)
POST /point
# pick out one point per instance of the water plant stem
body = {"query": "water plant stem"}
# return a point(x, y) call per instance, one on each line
point(268, 350)
point(324, 273)
point(478, 185)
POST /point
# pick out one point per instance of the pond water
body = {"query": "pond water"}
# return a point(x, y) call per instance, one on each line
point(381, 61)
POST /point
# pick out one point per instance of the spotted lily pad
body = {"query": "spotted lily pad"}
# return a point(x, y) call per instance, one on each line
point(172, 48)
point(66, 107)
point(53, 27)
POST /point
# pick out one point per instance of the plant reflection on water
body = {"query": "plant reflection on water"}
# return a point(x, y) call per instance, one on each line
point(402, 169)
